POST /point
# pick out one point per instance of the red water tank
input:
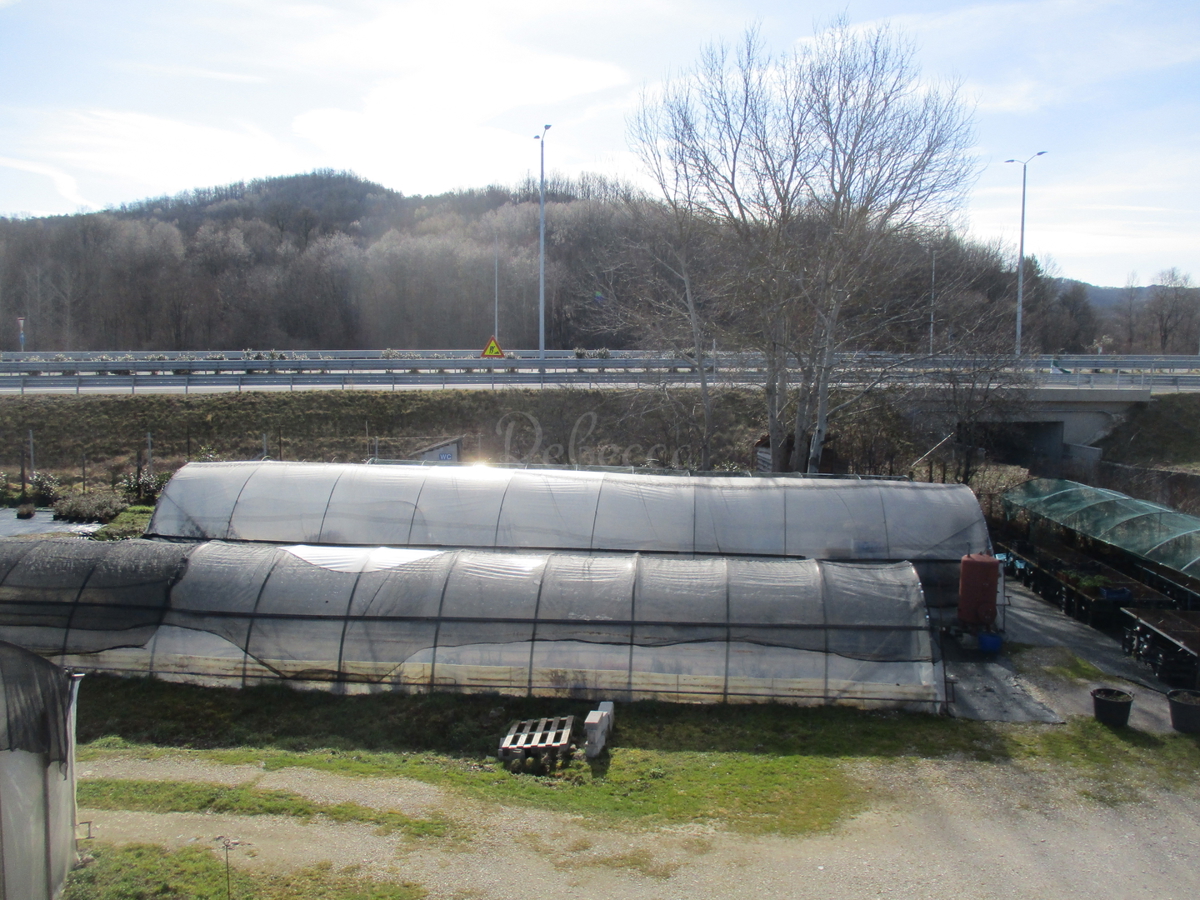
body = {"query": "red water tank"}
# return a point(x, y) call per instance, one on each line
point(977, 582)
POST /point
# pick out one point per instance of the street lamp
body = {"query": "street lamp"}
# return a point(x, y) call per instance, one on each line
point(1021, 251)
point(541, 138)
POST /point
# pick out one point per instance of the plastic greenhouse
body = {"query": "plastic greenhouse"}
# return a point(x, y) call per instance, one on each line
point(480, 506)
point(622, 625)
point(1148, 530)
point(37, 775)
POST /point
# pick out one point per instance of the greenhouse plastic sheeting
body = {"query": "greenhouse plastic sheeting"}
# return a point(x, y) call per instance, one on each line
point(601, 625)
point(1157, 533)
point(37, 776)
point(480, 506)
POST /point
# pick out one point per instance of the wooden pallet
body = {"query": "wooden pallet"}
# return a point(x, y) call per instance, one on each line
point(545, 741)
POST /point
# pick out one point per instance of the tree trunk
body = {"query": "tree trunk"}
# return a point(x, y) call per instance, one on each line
point(776, 391)
point(698, 353)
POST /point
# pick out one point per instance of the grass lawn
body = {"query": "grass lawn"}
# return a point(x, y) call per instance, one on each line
point(142, 871)
point(752, 768)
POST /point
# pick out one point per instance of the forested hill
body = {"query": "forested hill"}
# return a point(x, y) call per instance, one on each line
point(321, 202)
point(325, 259)
point(330, 260)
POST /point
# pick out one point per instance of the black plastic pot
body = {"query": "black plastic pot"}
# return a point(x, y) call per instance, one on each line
point(1111, 707)
point(1185, 710)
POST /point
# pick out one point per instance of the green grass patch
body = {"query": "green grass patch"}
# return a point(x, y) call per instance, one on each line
point(747, 792)
point(169, 796)
point(1056, 662)
point(129, 524)
point(754, 768)
point(1111, 764)
point(1164, 432)
point(143, 871)
point(1076, 669)
point(276, 717)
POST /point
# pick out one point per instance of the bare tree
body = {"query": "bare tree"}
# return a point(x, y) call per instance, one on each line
point(1128, 314)
point(816, 161)
point(1172, 307)
point(680, 225)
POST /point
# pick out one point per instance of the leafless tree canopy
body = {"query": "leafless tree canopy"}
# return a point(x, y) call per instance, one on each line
point(820, 162)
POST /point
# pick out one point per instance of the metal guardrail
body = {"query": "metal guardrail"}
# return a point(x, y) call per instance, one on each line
point(91, 372)
point(640, 377)
point(148, 361)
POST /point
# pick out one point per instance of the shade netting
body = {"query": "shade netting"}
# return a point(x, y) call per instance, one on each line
point(1148, 530)
point(604, 625)
point(37, 779)
point(480, 506)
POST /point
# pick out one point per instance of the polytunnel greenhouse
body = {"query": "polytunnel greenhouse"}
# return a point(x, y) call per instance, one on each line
point(625, 625)
point(483, 506)
point(37, 775)
point(1147, 530)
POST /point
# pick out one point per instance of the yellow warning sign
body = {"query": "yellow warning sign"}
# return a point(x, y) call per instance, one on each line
point(492, 350)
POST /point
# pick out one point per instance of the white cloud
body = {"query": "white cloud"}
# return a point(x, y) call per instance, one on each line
point(163, 154)
point(187, 72)
point(64, 183)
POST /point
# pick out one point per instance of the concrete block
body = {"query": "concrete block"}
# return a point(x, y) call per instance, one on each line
point(597, 727)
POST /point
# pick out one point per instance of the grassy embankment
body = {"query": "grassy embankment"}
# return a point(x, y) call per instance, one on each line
point(1163, 433)
point(575, 426)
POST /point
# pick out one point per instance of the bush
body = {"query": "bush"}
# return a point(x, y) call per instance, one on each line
point(44, 488)
point(144, 488)
point(26, 511)
point(206, 453)
point(98, 506)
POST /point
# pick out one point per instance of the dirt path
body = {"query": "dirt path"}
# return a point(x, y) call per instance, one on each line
point(937, 829)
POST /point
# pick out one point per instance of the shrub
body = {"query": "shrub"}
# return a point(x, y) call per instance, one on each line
point(44, 488)
point(146, 487)
point(98, 506)
point(26, 511)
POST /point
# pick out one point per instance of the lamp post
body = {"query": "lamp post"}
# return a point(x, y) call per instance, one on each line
point(1021, 251)
point(541, 138)
point(932, 294)
point(496, 319)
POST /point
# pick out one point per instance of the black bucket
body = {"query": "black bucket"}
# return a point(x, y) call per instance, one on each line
point(1111, 707)
point(1185, 710)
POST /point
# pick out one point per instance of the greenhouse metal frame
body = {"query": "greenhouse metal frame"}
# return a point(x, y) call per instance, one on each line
point(37, 775)
point(604, 625)
point(494, 507)
point(1147, 530)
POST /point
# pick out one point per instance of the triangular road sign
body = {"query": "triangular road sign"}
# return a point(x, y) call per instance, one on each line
point(492, 350)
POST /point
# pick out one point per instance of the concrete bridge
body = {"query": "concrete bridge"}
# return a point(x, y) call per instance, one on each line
point(1055, 423)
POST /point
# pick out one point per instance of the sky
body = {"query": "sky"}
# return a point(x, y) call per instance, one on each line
point(111, 102)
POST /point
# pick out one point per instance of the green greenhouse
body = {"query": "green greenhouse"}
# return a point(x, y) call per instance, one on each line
point(1146, 530)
